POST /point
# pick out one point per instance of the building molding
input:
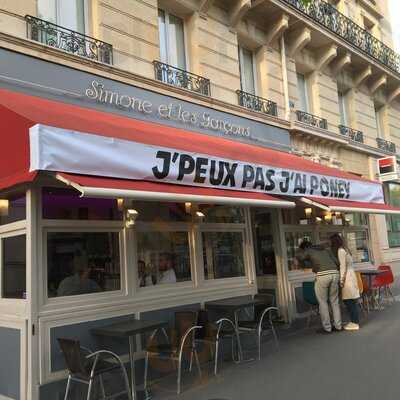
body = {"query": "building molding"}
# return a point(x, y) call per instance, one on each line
point(341, 62)
point(378, 83)
point(393, 95)
point(362, 76)
point(297, 40)
point(325, 55)
point(238, 11)
point(277, 29)
point(205, 6)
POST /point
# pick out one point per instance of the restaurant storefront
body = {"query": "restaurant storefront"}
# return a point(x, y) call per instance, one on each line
point(115, 205)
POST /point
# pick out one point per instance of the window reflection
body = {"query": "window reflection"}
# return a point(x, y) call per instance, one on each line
point(82, 263)
point(163, 257)
point(14, 267)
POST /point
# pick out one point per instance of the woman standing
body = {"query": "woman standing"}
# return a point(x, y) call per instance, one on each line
point(348, 281)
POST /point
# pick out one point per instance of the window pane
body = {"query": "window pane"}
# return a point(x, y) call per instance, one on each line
point(357, 242)
point(82, 262)
point(71, 14)
point(378, 122)
point(14, 267)
point(162, 32)
point(163, 257)
point(67, 204)
point(176, 42)
point(222, 214)
point(161, 212)
point(393, 221)
point(47, 10)
point(303, 96)
point(293, 241)
point(223, 254)
point(342, 109)
point(246, 70)
point(12, 209)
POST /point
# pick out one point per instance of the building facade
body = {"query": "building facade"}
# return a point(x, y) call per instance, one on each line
point(320, 82)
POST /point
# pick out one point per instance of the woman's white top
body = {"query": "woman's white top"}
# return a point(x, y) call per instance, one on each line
point(347, 274)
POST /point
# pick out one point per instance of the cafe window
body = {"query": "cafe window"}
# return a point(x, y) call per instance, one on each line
point(82, 263)
point(293, 241)
point(69, 14)
point(172, 39)
point(163, 257)
point(223, 255)
point(393, 221)
point(246, 65)
point(60, 203)
point(13, 249)
point(12, 208)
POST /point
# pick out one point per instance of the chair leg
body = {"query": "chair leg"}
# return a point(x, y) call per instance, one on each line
point(146, 369)
point(89, 393)
point(68, 387)
point(191, 360)
point(103, 392)
point(196, 356)
point(259, 344)
point(179, 376)
point(216, 357)
point(126, 380)
point(275, 336)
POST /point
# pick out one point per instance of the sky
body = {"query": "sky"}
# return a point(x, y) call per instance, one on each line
point(394, 9)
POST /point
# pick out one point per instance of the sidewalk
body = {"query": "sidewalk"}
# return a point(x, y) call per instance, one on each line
point(342, 366)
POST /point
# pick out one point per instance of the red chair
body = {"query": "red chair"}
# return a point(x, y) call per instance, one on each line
point(386, 282)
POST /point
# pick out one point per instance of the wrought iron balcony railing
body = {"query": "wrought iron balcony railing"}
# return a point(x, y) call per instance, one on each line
point(386, 145)
point(257, 103)
point(65, 39)
point(181, 78)
point(312, 120)
point(353, 134)
point(329, 17)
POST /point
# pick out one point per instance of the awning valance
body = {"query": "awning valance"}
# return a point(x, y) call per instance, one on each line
point(90, 186)
point(350, 206)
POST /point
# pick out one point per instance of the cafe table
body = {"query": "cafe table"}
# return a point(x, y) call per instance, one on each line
point(369, 274)
point(129, 330)
point(233, 306)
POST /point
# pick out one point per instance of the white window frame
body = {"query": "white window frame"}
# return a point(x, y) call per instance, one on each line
point(185, 39)
point(254, 67)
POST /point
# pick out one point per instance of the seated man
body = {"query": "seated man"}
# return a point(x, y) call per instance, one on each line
point(166, 269)
point(79, 283)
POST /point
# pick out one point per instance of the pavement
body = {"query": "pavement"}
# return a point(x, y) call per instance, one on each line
point(307, 366)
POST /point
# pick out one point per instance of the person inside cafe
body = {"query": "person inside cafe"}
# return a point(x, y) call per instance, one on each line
point(325, 265)
point(269, 264)
point(166, 272)
point(348, 281)
point(145, 278)
point(79, 282)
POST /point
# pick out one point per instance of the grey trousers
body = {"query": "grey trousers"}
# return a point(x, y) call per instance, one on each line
point(327, 289)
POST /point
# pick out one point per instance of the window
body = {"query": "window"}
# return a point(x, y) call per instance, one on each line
point(13, 250)
point(82, 263)
point(358, 244)
point(342, 108)
point(172, 41)
point(61, 203)
point(293, 241)
point(223, 255)
point(378, 119)
point(66, 13)
point(163, 257)
point(246, 66)
point(393, 221)
point(303, 93)
point(12, 208)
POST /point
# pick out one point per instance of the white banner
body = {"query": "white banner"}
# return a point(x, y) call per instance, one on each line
point(54, 149)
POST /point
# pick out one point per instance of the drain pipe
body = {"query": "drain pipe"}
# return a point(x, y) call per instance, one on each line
point(285, 78)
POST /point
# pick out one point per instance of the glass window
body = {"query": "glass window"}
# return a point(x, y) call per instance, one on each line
point(67, 204)
point(293, 241)
point(246, 66)
point(303, 94)
point(223, 255)
point(172, 39)
point(357, 242)
point(162, 212)
point(82, 262)
point(222, 214)
point(342, 108)
point(393, 221)
point(378, 119)
point(163, 257)
point(66, 13)
point(12, 208)
point(14, 267)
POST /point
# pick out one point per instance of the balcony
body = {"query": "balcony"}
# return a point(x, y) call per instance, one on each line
point(329, 17)
point(385, 145)
point(352, 134)
point(70, 41)
point(181, 78)
point(256, 103)
point(312, 120)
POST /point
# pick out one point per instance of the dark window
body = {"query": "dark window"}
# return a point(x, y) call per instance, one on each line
point(12, 208)
point(14, 267)
point(82, 262)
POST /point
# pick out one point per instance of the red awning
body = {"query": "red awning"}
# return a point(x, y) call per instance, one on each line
point(19, 112)
point(350, 206)
point(142, 190)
